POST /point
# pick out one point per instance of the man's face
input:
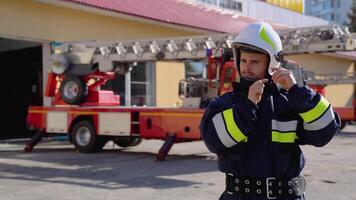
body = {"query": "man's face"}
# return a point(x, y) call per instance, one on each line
point(253, 65)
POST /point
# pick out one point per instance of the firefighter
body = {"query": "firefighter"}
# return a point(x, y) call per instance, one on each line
point(256, 129)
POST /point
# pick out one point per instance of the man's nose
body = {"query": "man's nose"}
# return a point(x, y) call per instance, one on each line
point(248, 65)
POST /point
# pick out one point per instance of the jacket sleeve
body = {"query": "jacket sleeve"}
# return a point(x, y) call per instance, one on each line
point(319, 122)
point(227, 121)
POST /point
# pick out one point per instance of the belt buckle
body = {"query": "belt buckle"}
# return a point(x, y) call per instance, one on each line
point(299, 185)
point(268, 184)
point(229, 192)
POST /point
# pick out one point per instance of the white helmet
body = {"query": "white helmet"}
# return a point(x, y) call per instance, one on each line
point(261, 37)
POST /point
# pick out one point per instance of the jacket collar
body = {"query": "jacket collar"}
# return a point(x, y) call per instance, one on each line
point(243, 86)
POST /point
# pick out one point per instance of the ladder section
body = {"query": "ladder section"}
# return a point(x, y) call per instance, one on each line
point(182, 48)
point(317, 39)
point(331, 78)
point(295, 41)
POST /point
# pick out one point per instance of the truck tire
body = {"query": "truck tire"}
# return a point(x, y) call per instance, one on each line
point(73, 90)
point(85, 139)
point(127, 141)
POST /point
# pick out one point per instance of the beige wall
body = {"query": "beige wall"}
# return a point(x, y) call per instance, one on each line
point(338, 95)
point(35, 20)
point(168, 75)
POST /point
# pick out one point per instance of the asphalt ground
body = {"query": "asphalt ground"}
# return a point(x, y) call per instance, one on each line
point(54, 170)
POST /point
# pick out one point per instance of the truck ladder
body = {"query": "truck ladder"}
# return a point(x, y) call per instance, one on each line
point(331, 78)
point(295, 41)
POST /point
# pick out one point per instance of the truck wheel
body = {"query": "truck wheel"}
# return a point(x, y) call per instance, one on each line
point(73, 90)
point(127, 141)
point(85, 139)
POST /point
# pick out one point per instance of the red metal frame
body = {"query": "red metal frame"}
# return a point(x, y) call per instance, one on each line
point(227, 79)
point(346, 113)
point(318, 88)
point(95, 96)
point(153, 123)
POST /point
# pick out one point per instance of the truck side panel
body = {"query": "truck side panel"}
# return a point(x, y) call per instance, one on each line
point(144, 123)
point(157, 125)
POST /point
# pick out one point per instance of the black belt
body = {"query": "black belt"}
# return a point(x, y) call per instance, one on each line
point(270, 187)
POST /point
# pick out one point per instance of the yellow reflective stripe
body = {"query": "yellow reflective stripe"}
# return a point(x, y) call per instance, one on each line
point(231, 126)
point(316, 112)
point(264, 36)
point(288, 137)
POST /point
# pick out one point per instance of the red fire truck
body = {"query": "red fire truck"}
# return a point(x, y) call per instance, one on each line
point(91, 116)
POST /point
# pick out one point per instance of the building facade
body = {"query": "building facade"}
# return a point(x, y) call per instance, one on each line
point(277, 11)
point(334, 11)
point(228, 4)
point(295, 5)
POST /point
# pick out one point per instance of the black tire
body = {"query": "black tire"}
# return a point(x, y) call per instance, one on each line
point(85, 139)
point(73, 90)
point(127, 141)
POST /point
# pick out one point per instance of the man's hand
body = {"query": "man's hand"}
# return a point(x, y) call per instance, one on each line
point(284, 77)
point(256, 90)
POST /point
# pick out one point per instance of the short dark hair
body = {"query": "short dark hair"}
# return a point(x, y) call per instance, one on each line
point(250, 50)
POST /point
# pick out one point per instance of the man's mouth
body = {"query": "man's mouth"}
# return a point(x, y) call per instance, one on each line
point(248, 74)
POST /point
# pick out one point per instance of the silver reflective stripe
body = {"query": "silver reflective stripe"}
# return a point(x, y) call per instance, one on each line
point(322, 122)
point(222, 132)
point(284, 126)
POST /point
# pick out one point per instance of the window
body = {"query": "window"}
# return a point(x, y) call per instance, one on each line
point(228, 4)
point(236, 6)
point(136, 86)
point(195, 69)
point(326, 5)
point(239, 6)
point(142, 84)
point(327, 16)
point(314, 2)
point(335, 3)
point(315, 9)
point(222, 3)
point(209, 1)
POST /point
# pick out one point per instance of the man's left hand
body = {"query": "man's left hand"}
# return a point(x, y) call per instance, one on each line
point(284, 77)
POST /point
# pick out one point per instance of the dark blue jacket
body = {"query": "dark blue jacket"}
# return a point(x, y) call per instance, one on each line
point(263, 140)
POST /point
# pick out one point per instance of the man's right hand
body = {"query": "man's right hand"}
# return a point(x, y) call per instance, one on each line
point(256, 90)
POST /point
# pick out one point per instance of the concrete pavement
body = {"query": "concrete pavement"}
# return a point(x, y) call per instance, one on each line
point(54, 170)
